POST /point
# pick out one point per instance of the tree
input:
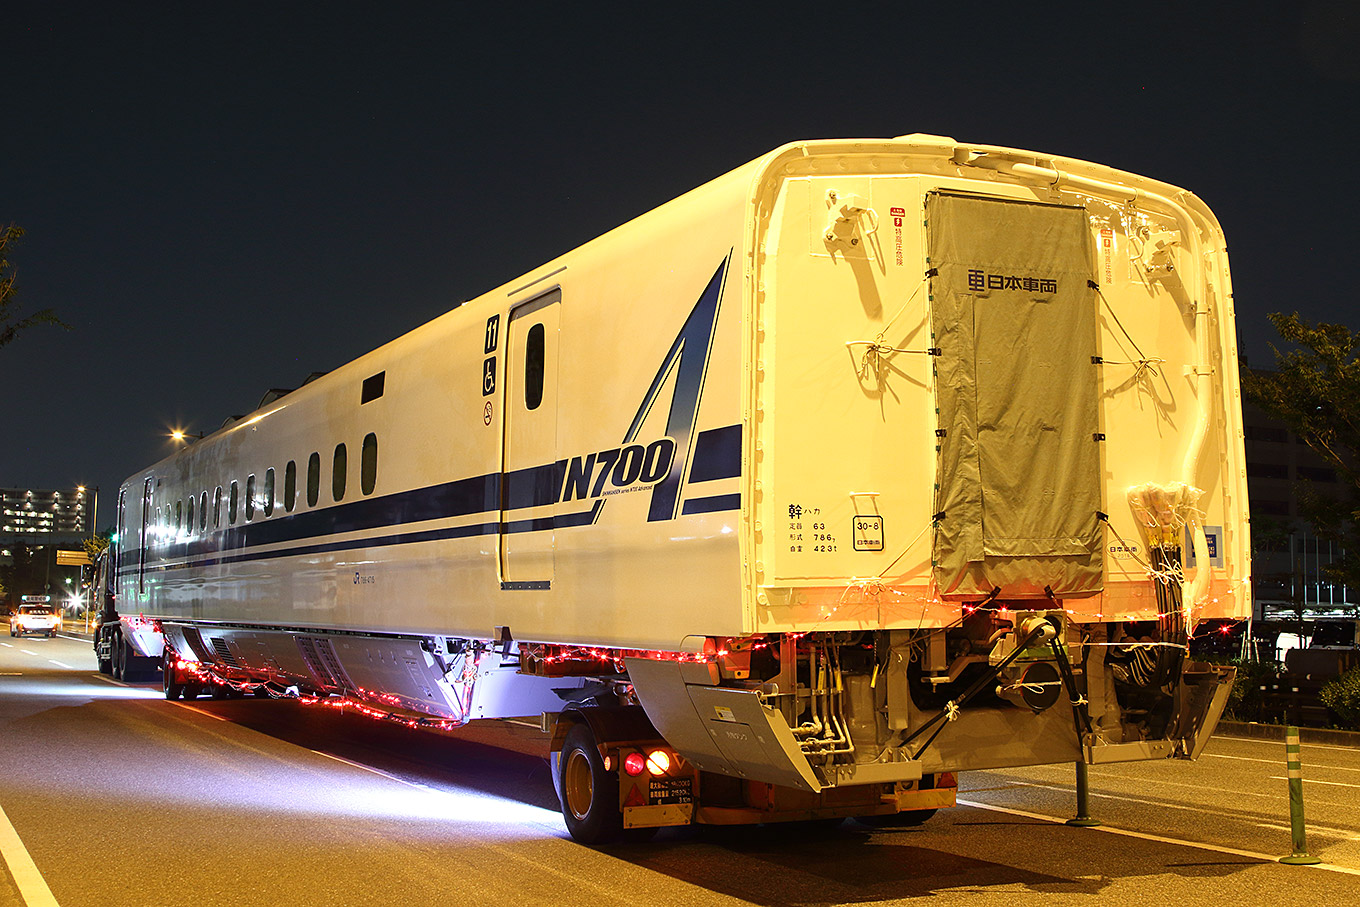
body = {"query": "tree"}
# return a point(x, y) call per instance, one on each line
point(1315, 390)
point(11, 319)
point(95, 546)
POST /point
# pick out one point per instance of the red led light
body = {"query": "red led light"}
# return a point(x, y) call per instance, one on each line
point(634, 763)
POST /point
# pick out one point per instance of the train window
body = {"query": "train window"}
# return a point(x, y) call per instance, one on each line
point(368, 464)
point(189, 519)
point(338, 467)
point(217, 507)
point(269, 491)
point(290, 486)
point(203, 512)
point(533, 367)
point(179, 516)
point(250, 498)
point(313, 479)
point(232, 499)
point(372, 388)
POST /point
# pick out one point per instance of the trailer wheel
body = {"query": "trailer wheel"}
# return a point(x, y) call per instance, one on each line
point(119, 656)
point(906, 819)
point(170, 682)
point(589, 794)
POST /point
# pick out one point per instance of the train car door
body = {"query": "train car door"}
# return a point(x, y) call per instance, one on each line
point(531, 475)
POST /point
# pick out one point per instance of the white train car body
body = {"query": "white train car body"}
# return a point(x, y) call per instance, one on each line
point(787, 434)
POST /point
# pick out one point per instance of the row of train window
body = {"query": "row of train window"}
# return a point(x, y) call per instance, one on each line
point(260, 496)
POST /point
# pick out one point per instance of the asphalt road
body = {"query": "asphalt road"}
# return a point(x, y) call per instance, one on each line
point(121, 798)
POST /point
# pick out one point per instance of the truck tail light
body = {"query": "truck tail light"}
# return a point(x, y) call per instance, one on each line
point(658, 762)
point(634, 763)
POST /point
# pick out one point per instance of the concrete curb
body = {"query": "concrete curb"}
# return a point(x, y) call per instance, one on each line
point(1256, 731)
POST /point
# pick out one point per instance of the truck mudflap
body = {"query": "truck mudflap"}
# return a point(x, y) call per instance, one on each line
point(732, 732)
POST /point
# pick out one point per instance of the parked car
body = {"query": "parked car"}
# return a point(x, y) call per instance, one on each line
point(35, 619)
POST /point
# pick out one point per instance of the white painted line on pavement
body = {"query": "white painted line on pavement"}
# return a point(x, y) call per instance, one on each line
point(1339, 768)
point(1263, 857)
point(34, 654)
point(32, 887)
point(376, 771)
point(1312, 781)
point(7, 645)
point(1161, 803)
point(1343, 833)
point(60, 664)
point(200, 711)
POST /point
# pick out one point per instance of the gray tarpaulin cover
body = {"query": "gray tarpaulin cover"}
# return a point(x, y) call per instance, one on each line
point(1019, 466)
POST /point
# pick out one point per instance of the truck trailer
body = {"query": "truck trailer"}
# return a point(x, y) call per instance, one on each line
point(867, 463)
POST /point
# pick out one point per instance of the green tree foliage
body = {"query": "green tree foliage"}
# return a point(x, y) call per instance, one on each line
point(95, 546)
point(1342, 696)
point(1315, 390)
point(12, 321)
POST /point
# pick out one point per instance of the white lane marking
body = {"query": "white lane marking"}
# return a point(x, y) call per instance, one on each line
point(34, 654)
point(117, 683)
point(1342, 833)
point(1338, 768)
point(1263, 857)
point(200, 711)
point(32, 887)
point(376, 771)
point(1195, 787)
point(7, 645)
point(60, 664)
point(1312, 781)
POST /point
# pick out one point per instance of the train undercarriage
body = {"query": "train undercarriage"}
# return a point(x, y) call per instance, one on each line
point(794, 727)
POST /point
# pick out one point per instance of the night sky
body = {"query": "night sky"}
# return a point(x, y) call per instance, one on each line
point(223, 198)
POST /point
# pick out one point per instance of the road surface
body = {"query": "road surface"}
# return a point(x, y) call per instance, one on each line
point(113, 796)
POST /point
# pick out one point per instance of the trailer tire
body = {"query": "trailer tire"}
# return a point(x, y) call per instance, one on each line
point(170, 682)
point(118, 655)
point(589, 794)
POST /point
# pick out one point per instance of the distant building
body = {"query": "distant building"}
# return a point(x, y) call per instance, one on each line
point(1288, 559)
point(44, 516)
point(36, 524)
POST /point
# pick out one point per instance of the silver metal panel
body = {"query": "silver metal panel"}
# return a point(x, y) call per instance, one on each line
point(720, 730)
point(1130, 752)
point(753, 738)
point(876, 773)
point(660, 687)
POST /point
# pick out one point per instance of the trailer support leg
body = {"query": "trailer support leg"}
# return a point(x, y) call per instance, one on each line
point(1083, 817)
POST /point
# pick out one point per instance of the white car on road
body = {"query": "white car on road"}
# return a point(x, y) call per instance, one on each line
point(34, 619)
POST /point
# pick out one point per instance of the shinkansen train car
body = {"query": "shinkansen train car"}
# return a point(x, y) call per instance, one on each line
point(866, 463)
